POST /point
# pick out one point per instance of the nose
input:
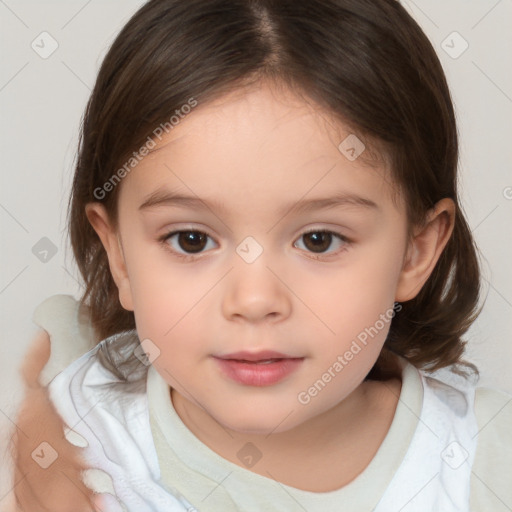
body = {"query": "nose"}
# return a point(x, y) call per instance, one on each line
point(255, 292)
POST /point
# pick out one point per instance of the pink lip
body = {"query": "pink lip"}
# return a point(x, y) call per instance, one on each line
point(258, 374)
point(262, 355)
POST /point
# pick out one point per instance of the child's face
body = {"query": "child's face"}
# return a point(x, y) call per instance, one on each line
point(257, 283)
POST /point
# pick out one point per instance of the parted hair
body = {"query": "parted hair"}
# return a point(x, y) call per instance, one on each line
point(367, 62)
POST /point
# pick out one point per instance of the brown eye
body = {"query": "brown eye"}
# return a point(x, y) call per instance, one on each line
point(188, 242)
point(191, 241)
point(319, 241)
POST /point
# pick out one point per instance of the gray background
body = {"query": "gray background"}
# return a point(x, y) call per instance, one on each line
point(42, 101)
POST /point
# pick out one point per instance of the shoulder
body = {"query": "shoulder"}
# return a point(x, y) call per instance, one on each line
point(101, 396)
point(104, 390)
point(101, 376)
point(491, 476)
point(493, 409)
point(484, 418)
point(98, 391)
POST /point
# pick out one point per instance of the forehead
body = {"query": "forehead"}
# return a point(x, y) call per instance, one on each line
point(261, 144)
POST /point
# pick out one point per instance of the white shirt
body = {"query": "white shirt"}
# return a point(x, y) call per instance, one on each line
point(446, 460)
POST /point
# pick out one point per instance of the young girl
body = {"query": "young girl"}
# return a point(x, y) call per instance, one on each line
point(277, 271)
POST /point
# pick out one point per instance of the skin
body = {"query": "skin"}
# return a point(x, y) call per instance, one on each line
point(257, 152)
point(58, 488)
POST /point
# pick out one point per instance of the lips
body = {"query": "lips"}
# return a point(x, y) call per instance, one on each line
point(262, 355)
point(262, 368)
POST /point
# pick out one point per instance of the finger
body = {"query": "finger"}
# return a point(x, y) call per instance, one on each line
point(99, 503)
point(62, 478)
point(50, 465)
point(107, 502)
point(56, 490)
point(36, 358)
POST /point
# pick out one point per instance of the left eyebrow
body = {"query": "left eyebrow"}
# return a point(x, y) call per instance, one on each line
point(163, 197)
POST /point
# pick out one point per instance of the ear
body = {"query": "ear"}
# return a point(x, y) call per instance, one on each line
point(425, 249)
point(99, 219)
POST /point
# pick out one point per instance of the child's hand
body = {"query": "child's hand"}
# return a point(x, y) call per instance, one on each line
point(58, 487)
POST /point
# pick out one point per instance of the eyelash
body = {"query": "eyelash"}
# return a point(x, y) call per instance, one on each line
point(191, 257)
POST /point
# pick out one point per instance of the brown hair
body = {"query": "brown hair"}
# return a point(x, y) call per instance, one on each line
point(365, 61)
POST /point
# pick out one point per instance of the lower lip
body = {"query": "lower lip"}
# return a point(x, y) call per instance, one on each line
point(254, 374)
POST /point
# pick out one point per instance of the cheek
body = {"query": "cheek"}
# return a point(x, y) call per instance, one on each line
point(170, 311)
point(170, 305)
point(154, 282)
point(356, 308)
point(355, 295)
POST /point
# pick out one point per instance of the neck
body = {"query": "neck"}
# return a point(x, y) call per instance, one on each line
point(338, 444)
